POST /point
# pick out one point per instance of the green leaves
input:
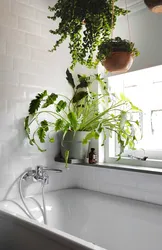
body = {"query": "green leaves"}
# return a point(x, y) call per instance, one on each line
point(134, 108)
point(66, 157)
point(95, 16)
point(73, 120)
point(103, 84)
point(116, 44)
point(26, 125)
point(123, 97)
point(41, 134)
point(42, 130)
point(61, 105)
point(79, 96)
point(50, 100)
point(84, 81)
point(52, 140)
point(35, 103)
point(81, 113)
point(89, 136)
point(59, 124)
point(70, 79)
point(44, 125)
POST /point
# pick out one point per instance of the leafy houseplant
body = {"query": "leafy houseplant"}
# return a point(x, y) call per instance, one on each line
point(117, 54)
point(87, 23)
point(81, 114)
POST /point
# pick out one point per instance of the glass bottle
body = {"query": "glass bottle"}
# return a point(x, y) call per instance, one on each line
point(92, 156)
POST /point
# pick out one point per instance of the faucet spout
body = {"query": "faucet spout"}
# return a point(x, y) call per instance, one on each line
point(41, 174)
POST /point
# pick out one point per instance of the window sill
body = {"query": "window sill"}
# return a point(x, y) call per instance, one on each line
point(123, 167)
point(131, 168)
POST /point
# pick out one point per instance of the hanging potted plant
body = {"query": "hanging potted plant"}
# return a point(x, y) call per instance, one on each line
point(78, 118)
point(116, 54)
point(87, 23)
point(154, 5)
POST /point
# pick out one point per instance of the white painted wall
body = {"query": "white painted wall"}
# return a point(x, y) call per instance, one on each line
point(26, 68)
point(145, 28)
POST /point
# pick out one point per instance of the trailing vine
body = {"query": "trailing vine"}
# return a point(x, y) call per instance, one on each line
point(87, 23)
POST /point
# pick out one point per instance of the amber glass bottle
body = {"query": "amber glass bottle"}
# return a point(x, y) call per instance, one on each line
point(92, 156)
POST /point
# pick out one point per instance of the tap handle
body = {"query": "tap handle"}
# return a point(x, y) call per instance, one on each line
point(39, 171)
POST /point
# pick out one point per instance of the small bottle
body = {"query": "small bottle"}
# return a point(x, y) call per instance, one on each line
point(92, 156)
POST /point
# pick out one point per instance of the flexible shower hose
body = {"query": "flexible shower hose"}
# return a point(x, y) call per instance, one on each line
point(26, 210)
point(43, 211)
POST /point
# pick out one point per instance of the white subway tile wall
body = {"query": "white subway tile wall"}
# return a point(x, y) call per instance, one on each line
point(26, 68)
point(133, 185)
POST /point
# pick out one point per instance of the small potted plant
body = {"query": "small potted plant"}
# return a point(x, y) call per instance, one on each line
point(78, 118)
point(116, 54)
point(86, 24)
point(154, 5)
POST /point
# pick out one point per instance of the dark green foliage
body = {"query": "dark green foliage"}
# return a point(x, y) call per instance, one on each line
point(59, 124)
point(81, 113)
point(26, 123)
point(84, 81)
point(70, 79)
point(41, 134)
point(50, 100)
point(42, 130)
point(35, 103)
point(79, 96)
point(87, 23)
point(44, 125)
point(115, 45)
point(61, 105)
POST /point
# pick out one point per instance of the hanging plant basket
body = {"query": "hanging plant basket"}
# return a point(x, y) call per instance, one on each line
point(117, 55)
point(118, 62)
point(154, 5)
point(85, 24)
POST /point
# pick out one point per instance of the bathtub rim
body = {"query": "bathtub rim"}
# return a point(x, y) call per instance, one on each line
point(56, 235)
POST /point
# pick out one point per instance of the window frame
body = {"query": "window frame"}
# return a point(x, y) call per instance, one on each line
point(154, 156)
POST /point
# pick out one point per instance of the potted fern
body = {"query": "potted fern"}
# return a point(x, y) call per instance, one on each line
point(86, 23)
point(78, 118)
point(116, 54)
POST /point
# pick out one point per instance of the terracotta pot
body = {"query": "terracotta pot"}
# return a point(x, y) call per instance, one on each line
point(154, 5)
point(118, 62)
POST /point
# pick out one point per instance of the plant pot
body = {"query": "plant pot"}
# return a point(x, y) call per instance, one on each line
point(73, 143)
point(118, 62)
point(154, 5)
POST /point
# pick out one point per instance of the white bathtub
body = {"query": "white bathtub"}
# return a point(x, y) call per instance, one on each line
point(111, 222)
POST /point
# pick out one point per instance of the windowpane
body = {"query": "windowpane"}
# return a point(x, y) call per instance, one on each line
point(144, 89)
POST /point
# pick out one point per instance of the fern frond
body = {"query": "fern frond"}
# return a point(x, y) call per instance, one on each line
point(35, 103)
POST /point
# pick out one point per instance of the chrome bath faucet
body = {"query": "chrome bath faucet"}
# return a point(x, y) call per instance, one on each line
point(40, 174)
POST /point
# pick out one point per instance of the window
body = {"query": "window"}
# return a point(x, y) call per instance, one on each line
point(144, 89)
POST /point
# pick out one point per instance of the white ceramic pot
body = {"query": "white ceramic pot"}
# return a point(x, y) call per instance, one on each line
point(73, 143)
